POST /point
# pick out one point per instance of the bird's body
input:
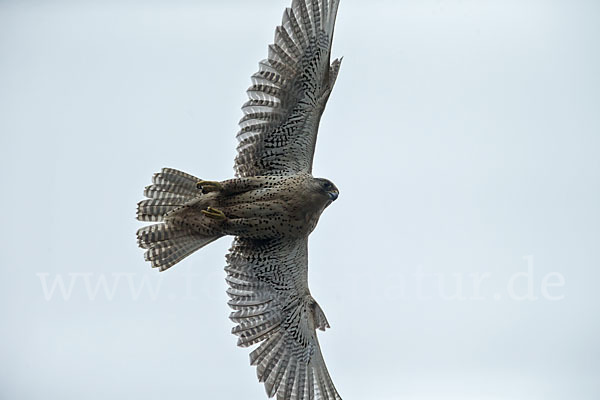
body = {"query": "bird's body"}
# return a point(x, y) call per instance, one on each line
point(270, 207)
point(258, 207)
point(280, 206)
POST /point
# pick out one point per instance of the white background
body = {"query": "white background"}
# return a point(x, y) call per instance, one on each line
point(463, 135)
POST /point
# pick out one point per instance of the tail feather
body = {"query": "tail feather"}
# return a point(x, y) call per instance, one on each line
point(168, 243)
point(164, 257)
point(176, 182)
point(154, 210)
point(177, 176)
point(159, 193)
point(162, 250)
point(149, 235)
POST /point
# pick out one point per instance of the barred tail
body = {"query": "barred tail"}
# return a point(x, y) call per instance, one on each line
point(170, 189)
point(167, 243)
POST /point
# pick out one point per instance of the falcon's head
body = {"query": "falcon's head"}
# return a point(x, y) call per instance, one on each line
point(327, 188)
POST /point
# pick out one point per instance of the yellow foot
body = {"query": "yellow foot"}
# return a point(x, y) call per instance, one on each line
point(214, 214)
point(209, 186)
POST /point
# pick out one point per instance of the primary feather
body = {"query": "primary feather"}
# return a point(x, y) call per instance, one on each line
point(278, 131)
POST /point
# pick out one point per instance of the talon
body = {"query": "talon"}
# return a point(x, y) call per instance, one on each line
point(214, 214)
point(209, 186)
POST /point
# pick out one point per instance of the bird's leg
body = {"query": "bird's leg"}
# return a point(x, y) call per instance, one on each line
point(209, 186)
point(230, 186)
point(215, 214)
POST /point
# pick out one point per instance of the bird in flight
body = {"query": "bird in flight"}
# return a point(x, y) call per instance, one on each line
point(270, 207)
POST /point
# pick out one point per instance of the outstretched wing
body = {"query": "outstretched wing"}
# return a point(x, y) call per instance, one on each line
point(273, 306)
point(278, 132)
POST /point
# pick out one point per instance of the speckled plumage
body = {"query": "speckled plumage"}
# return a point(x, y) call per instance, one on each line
point(271, 207)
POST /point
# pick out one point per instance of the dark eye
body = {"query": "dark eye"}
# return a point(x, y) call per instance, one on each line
point(327, 185)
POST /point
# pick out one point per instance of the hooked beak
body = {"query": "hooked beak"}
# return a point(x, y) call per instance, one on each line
point(333, 195)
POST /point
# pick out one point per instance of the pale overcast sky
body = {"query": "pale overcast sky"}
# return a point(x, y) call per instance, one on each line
point(461, 260)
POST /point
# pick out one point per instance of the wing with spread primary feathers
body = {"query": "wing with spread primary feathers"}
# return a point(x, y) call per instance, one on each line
point(278, 131)
point(273, 306)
